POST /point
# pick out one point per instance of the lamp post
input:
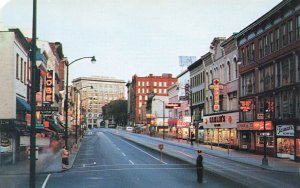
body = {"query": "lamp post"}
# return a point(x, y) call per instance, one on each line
point(76, 125)
point(265, 159)
point(163, 115)
point(33, 101)
point(93, 60)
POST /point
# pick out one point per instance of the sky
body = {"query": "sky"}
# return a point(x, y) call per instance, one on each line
point(130, 37)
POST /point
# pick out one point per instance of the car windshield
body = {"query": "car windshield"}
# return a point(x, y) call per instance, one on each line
point(149, 93)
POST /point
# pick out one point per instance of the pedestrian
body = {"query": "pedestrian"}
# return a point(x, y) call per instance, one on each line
point(65, 157)
point(199, 166)
point(192, 138)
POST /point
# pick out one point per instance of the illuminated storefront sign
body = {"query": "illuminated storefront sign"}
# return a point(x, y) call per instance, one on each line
point(49, 86)
point(223, 121)
point(245, 106)
point(215, 88)
point(257, 125)
point(285, 130)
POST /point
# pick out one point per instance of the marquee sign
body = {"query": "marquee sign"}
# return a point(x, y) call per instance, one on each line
point(49, 86)
point(245, 106)
point(215, 88)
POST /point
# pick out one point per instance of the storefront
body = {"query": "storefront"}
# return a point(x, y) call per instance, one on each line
point(287, 143)
point(221, 129)
point(251, 136)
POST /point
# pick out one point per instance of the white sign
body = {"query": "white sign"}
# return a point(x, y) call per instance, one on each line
point(285, 130)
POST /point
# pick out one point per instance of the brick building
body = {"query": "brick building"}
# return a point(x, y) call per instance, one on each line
point(270, 82)
point(140, 88)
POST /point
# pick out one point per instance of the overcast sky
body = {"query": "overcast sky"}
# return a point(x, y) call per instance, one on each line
point(132, 36)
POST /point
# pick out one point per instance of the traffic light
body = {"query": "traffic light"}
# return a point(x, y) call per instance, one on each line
point(266, 107)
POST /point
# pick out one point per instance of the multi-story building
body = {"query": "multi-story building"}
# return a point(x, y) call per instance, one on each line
point(141, 88)
point(197, 96)
point(270, 82)
point(14, 99)
point(103, 90)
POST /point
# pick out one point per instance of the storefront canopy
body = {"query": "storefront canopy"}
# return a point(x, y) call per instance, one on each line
point(23, 105)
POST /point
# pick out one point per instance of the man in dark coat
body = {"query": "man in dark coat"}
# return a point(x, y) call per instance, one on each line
point(199, 166)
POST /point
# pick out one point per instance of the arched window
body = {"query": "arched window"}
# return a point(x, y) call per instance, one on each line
point(229, 72)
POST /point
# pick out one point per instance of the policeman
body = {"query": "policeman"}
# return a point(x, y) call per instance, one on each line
point(199, 166)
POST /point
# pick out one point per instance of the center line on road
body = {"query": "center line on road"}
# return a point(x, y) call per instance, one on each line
point(131, 162)
point(124, 154)
point(46, 180)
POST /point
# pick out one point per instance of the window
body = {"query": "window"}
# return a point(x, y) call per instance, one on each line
point(159, 91)
point(165, 84)
point(22, 70)
point(140, 97)
point(147, 83)
point(17, 66)
point(143, 83)
point(265, 45)
point(165, 91)
point(290, 31)
point(229, 73)
point(143, 90)
point(139, 90)
point(155, 83)
point(260, 48)
point(25, 72)
point(298, 27)
point(248, 54)
point(155, 90)
point(247, 84)
point(276, 39)
point(283, 35)
point(252, 51)
point(139, 83)
point(271, 42)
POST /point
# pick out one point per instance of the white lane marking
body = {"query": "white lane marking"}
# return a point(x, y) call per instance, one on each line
point(46, 180)
point(123, 154)
point(118, 149)
point(145, 152)
point(131, 162)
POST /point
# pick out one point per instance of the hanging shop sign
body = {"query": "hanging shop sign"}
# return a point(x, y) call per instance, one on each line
point(257, 125)
point(285, 130)
point(215, 88)
point(49, 86)
point(173, 105)
point(245, 106)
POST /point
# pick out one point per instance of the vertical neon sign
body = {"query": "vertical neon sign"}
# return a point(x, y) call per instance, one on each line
point(215, 88)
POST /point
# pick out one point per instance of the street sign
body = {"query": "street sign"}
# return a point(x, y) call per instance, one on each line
point(161, 146)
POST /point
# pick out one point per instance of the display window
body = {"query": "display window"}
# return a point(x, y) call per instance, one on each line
point(298, 147)
point(270, 140)
point(285, 145)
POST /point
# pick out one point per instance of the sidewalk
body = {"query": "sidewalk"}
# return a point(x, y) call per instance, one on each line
point(48, 162)
point(275, 164)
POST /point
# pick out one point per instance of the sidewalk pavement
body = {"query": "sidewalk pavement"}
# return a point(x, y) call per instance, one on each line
point(48, 162)
point(275, 164)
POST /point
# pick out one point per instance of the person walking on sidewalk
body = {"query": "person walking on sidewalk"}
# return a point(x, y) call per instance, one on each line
point(65, 157)
point(199, 166)
point(192, 138)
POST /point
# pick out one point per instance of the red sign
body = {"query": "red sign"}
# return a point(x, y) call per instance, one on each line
point(245, 106)
point(173, 105)
point(49, 86)
point(215, 88)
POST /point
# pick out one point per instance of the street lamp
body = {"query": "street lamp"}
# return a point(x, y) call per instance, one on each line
point(93, 60)
point(76, 125)
point(239, 62)
point(163, 115)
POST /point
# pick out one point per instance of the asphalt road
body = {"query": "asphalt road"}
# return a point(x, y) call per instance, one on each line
point(107, 160)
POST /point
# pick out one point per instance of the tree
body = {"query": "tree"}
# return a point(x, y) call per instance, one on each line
point(117, 110)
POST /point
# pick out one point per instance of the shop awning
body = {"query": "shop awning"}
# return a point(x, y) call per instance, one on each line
point(23, 105)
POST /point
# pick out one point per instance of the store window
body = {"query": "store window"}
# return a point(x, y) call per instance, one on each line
point(285, 146)
point(298, 147)
point(270, 140)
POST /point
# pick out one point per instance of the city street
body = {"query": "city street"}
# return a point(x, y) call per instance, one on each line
point(106, 160)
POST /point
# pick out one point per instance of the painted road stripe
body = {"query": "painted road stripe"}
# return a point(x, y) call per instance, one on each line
point(46, 180)
point(144, 152)
point(131, 162)
point(123, 154)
